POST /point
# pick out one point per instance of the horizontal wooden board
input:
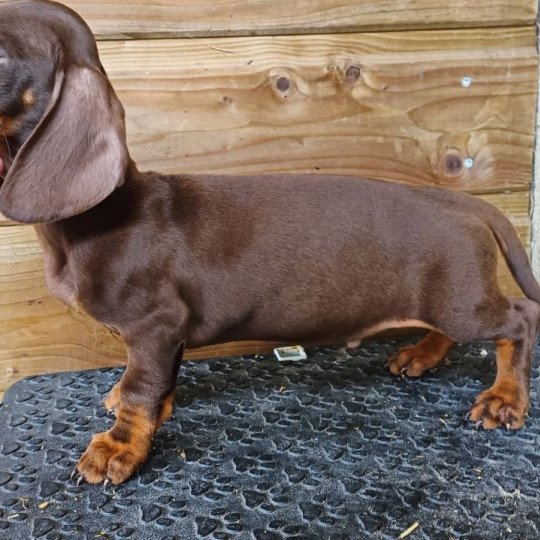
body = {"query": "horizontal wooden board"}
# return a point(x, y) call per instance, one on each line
point(394, 106)
point(172, 18)
point(39, 334)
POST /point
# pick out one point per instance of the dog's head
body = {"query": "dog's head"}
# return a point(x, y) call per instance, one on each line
point(62, 132)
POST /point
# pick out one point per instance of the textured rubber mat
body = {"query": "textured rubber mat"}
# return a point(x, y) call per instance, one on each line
point(332, 447)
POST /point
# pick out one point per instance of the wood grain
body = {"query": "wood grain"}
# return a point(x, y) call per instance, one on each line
point(174, 18)
point(389, 106)
point(39, 334)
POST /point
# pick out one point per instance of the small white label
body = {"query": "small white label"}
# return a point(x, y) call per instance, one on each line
point(290, 354)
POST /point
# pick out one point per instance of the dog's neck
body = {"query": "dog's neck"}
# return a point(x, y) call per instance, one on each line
point(65, 241)
point(111, 210)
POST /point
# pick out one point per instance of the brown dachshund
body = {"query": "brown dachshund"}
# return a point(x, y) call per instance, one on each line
point(195, 260)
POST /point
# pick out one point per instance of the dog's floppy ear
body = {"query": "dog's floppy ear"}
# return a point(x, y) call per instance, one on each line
point(76, 155)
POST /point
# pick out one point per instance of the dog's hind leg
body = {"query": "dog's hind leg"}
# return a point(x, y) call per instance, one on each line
point(506, 403)
point(427, 354)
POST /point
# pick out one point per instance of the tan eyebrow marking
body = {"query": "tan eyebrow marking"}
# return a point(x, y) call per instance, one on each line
point(28, 98)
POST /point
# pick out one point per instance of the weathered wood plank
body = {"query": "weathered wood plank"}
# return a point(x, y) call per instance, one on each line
point(390, 106)
point(39, 334)
point(174, 18)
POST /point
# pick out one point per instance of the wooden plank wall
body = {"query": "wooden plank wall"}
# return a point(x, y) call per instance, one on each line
point(267, 86)
point(142, 19)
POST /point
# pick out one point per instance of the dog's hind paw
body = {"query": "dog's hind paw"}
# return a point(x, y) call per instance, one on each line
point(495, 408)
point(405, 363)
point(414, 360)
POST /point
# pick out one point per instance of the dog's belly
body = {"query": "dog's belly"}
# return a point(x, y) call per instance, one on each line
point(356, 340)
point(351, 329)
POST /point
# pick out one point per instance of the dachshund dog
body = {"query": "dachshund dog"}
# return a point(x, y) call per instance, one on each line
point(193, 260)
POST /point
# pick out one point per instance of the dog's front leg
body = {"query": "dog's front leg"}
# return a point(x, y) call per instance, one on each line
point(142, 401)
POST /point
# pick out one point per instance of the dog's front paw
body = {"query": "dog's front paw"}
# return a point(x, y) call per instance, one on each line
point(108, 458)
point(499, 408)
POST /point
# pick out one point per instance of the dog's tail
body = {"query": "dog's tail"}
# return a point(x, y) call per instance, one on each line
point(512, 250)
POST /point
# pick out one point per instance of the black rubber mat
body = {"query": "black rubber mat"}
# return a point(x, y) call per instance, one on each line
point(332, 447)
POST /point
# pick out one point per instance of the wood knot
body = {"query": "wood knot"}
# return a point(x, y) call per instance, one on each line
point(453, 164)
point(353, 73)
point(283, 84)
